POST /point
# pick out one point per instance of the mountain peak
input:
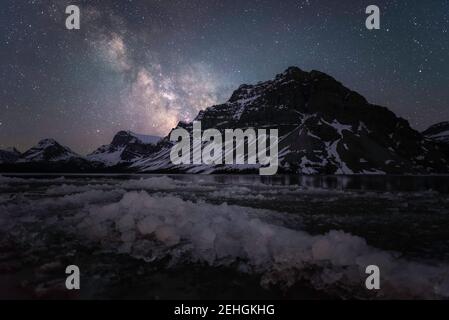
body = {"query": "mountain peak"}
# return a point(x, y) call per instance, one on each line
point(48, 150)
point(246, 91)
point(293, 69)
point(47, 142)
point(123, 138)
point(126, 146)
point(295, 73)
point(292, 72)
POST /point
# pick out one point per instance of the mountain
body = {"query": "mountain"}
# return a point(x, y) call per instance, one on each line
point(438, 132)
point(48, 150)
point(324, 128)
point(49, 156)
point(9, 155)
point(125, 148)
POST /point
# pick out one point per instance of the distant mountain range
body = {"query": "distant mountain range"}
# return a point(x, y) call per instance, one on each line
point(324, 128)
point(50, 156)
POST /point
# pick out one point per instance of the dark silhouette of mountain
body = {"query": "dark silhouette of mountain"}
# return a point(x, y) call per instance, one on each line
point(126, 147)
point(9, 155)
point(48, 150)
point(324, 128)
point(49, 156)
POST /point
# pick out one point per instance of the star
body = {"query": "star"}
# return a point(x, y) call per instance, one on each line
point(146, 65)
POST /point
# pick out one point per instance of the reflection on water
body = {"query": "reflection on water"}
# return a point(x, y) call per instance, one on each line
point(378, 183)
point(385, 183)
point(354, 182)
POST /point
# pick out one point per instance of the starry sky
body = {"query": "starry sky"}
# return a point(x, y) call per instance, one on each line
point(143, 65)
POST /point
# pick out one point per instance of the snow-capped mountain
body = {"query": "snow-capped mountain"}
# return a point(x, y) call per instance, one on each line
point(50, 156)
point(9, 155)
point(48, 150)
point(324, 128)
point(438, 132)
point(125, 148)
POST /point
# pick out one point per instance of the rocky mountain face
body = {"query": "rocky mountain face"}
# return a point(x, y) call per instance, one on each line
point(126, 147)
point(48, 156)
point(438, 132)
point(324, 128)
point(9, 155)
point(48, 150)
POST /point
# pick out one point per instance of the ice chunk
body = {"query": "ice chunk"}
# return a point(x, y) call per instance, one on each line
point(168, 235)
point(148, 225)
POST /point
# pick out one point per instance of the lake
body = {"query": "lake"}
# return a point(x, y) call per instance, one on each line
point(181, 236)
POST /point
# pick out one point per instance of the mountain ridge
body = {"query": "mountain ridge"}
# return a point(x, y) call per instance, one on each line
point(9, 155)
point(324, 128)
point(48, 150)
point(438, 132)
point(126, 147)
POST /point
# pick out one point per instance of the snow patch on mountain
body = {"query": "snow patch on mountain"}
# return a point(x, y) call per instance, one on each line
point(48, 150)
point(126, 147)
point(106, 156)
point(438, 132)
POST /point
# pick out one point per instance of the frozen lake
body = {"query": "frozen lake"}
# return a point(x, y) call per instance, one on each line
point(180, 236)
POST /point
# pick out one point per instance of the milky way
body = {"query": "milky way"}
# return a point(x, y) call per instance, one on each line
point(145, 65)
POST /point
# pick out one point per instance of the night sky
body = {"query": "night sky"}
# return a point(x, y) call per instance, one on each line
point(143, 65)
